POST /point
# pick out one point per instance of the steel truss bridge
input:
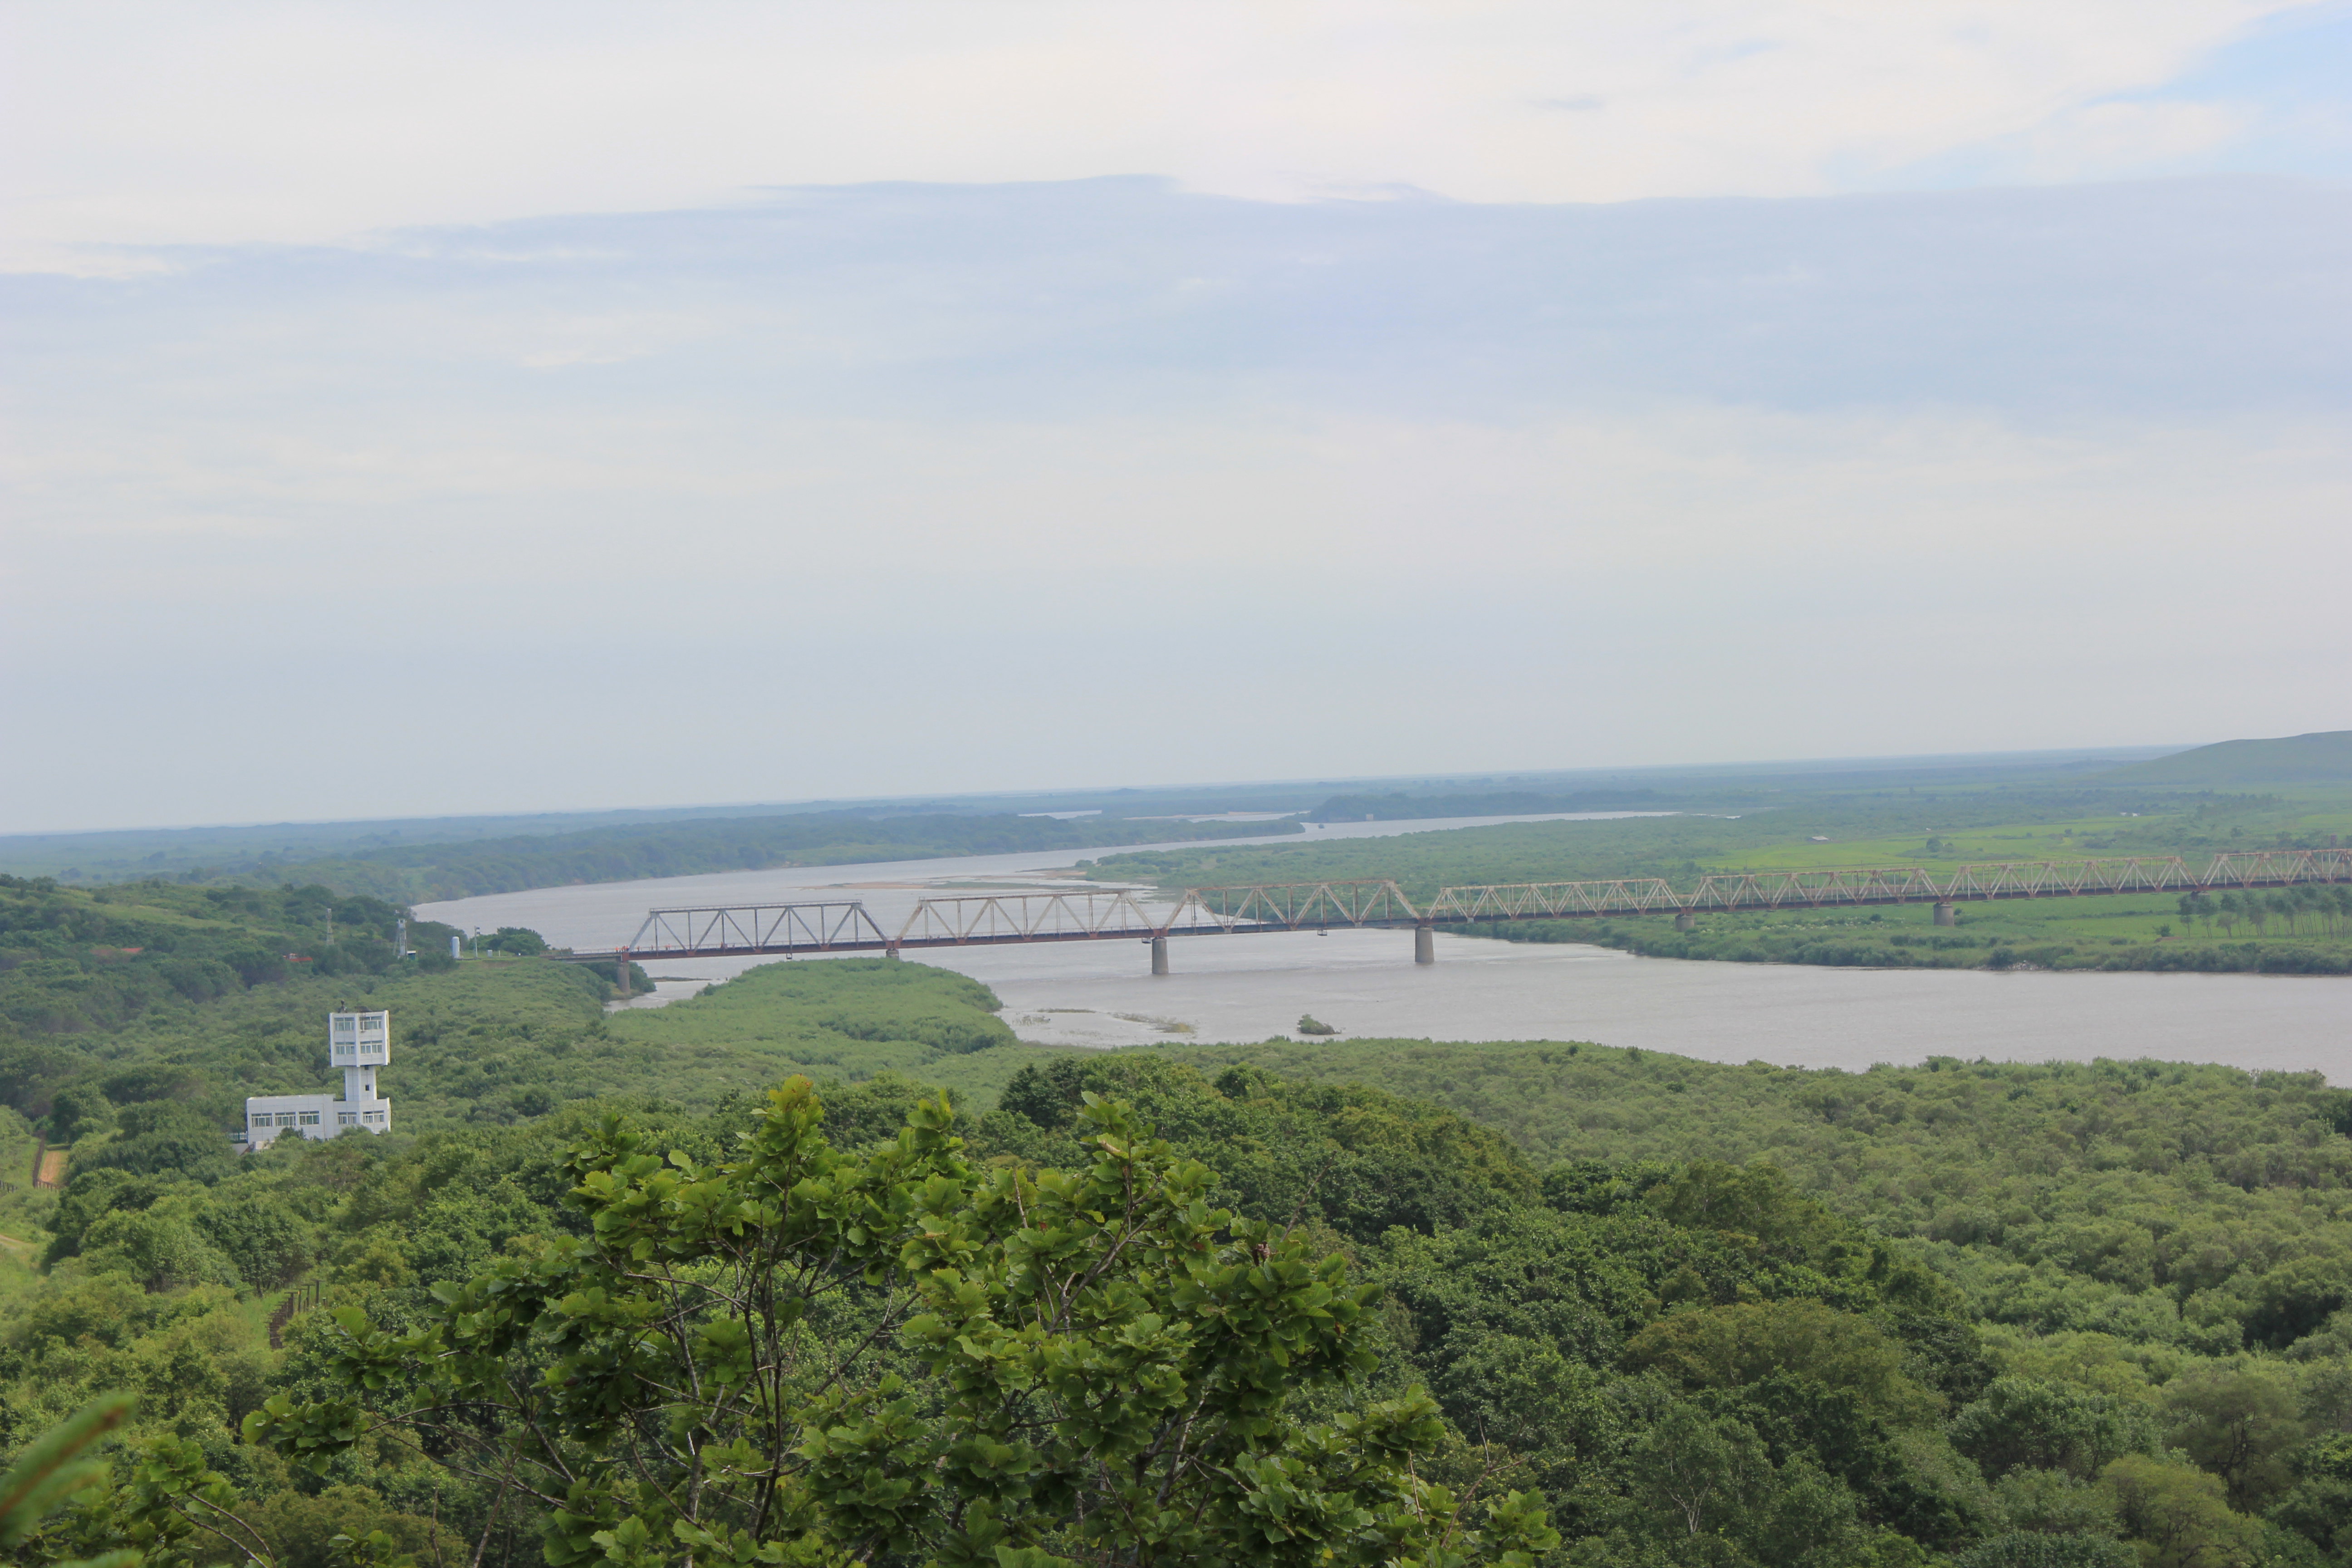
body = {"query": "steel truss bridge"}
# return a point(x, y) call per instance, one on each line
point(1104, 914)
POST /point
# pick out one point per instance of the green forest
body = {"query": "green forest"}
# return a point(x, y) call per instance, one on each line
point(826, 1266)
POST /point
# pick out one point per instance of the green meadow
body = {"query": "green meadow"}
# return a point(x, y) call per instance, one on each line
point(2302, 930)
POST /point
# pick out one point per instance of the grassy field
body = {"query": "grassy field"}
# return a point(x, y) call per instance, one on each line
point(1939, 833)
point(845, 1019)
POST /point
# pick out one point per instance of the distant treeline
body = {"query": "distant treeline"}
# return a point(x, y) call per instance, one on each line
point(1518, 803)
point(424, 872)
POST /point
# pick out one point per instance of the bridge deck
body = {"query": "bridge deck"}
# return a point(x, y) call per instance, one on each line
point(1116, 915)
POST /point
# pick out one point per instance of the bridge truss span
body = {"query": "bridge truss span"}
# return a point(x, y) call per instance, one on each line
point(1061, 915)
point(1813, 889)
point(843, 925)
point(1097, 914)
point(2279, 867)
point(1555, 900)
point(1290, 906)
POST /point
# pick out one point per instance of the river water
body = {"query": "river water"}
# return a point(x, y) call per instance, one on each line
point(1365, 984)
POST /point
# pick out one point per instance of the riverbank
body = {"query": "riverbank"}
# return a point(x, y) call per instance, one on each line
point(1250, 988)
point(1848, 943)
point(2291, 931)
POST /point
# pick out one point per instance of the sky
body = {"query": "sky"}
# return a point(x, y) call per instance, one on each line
point(420, 409)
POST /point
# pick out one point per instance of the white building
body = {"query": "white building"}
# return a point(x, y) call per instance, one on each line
point(358, 1043)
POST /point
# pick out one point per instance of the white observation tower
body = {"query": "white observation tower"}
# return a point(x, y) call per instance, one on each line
point(358, 1043)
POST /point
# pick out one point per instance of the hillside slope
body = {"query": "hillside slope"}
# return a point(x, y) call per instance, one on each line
point(2324, 757)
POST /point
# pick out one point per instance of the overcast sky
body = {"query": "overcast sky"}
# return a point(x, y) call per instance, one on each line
point(429, 408)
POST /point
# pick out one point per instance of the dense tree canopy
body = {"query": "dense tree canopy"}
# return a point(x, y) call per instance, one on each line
point(1175, 1308)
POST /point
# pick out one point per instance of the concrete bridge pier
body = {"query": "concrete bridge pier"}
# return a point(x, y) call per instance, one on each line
point(1425, 944)
point(1159, 955)
point(1685, 921)
point(1945, 914)
point(621, 975)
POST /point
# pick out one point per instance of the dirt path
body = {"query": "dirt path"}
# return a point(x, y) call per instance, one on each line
point(52, 1173)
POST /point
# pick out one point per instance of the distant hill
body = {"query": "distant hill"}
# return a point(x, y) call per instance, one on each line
point(2322, 757)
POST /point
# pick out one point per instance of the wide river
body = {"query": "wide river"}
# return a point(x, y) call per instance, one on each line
point(1366, 984)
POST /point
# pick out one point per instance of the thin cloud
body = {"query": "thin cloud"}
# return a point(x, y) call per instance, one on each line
point(130, 124)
